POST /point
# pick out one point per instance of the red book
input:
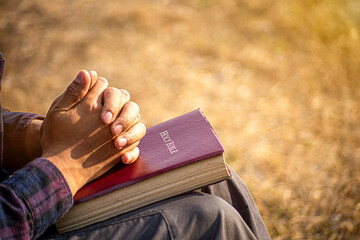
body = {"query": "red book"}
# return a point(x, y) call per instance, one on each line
point(176, 156)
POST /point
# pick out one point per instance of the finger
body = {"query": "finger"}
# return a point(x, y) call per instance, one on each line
point(94, 77)
point(127, 118)
point(95, 94)
point(134, 134)
point(75, 91)
point(137, 119)
point(114, 100)
point(131, 156)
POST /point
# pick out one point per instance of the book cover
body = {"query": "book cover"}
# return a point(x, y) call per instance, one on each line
point(176, 156)
point(168, 145)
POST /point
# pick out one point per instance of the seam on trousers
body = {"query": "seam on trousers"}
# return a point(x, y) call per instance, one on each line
point(167, 225)
point(244, 210)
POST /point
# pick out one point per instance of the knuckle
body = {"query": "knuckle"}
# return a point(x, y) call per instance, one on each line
point(117, 95)
point(124, 120)
point(110, 100)
point(130, 138)
point(92, 107)
point(125, 93)
point(133, 106)
point(103, 81)
point(110, 90)
point(72, 90)
point(136, 134)
point(142, 127)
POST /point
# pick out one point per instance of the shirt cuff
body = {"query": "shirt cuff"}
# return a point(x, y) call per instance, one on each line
point(44, 190)
point(19, 129)
point(15, 125)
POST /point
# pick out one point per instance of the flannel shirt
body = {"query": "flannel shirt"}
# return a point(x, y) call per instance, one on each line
point(34, 197)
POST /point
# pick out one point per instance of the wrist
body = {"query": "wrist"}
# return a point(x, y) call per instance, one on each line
point(75, 181)
point(32, 139)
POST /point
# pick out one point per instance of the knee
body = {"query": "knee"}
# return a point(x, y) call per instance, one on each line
point(213, 213)
point(209, 208)
point(205, 216)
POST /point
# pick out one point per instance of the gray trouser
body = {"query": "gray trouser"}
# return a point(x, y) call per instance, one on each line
point(224, 210)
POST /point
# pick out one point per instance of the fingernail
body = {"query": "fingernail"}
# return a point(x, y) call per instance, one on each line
point(126, 158)
point(107, 118)
point(80, 77)
point(121, 143)
point(118, 129)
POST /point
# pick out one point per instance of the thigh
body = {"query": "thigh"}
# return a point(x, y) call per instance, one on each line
point(235, 192)
point(189, 216)
point(146, 224)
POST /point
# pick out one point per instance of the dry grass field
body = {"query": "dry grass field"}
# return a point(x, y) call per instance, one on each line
point(279, 81)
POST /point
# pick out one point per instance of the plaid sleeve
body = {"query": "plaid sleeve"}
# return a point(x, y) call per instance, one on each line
point(32, 199)
point(15, 124)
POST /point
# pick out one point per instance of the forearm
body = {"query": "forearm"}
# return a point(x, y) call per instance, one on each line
point(32, 199)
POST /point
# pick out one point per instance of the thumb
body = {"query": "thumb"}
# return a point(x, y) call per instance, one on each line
point(75, 92)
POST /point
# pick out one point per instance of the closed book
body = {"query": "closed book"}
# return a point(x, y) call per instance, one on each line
point(176, 156)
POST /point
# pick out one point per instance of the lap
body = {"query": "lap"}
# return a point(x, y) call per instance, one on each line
point(224, 210)
point(189, 216)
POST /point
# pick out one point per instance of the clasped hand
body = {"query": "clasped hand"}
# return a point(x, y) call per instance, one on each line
point(89, 128)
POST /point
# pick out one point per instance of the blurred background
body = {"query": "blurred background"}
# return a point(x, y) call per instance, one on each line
point(278, 80)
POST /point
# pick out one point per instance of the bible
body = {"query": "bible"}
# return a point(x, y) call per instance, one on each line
point(176, 156)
